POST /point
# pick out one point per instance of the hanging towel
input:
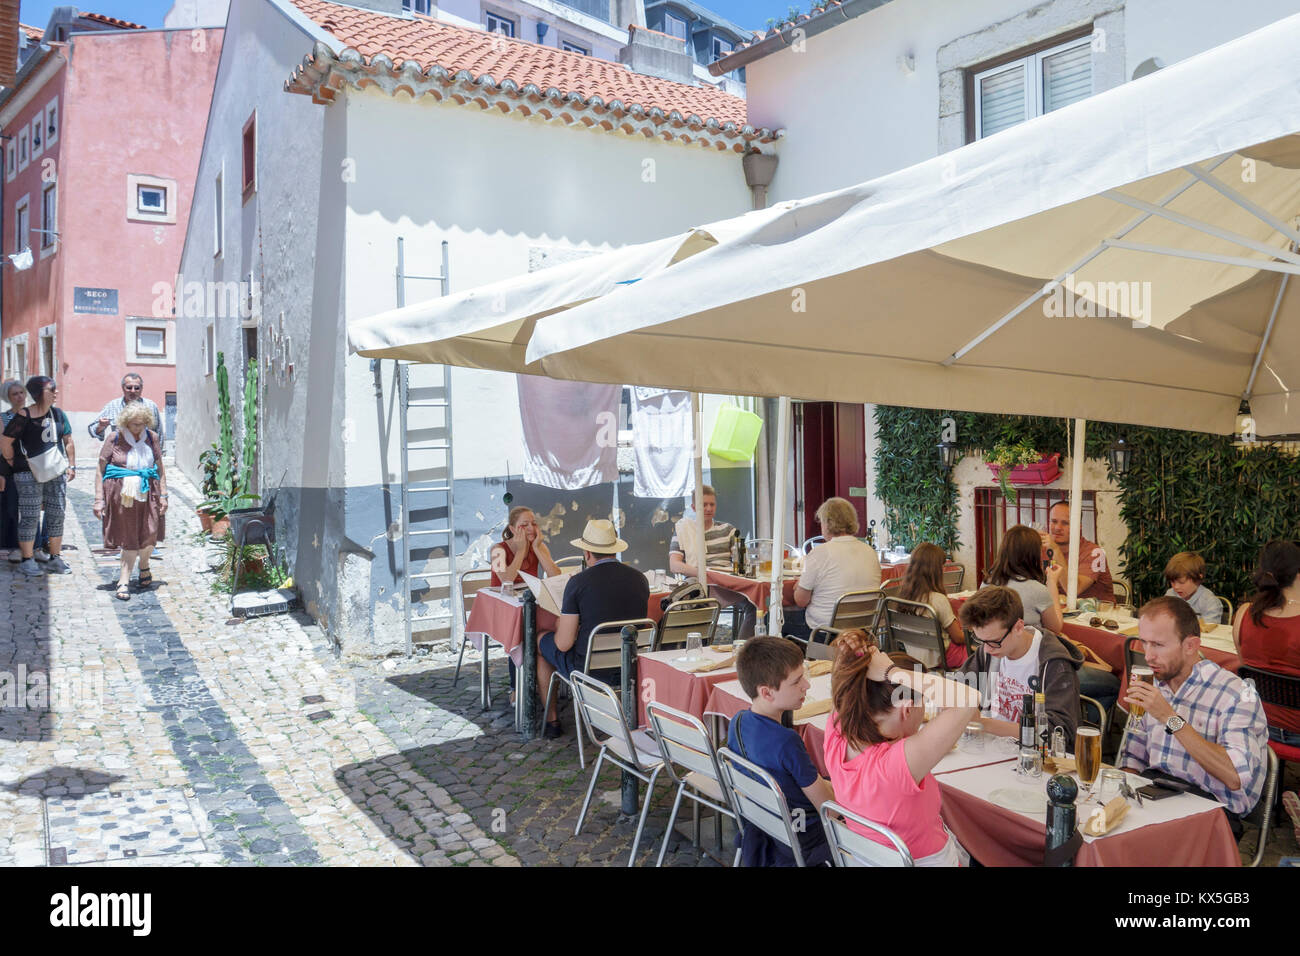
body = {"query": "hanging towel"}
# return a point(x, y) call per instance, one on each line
point(662, 439)
point(570, 432)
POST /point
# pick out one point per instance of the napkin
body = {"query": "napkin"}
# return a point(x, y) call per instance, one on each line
point(712, 665)
point(813, 709)
point(1104, 819)
point(1059, 765)
point(818, 668)
point(724, 648)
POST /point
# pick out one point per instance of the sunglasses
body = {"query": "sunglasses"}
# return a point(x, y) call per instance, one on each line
point(1107, 624)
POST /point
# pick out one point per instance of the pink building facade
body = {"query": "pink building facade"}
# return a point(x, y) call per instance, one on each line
point(104, 134)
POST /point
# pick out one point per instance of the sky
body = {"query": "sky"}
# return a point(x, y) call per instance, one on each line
point(747, 13)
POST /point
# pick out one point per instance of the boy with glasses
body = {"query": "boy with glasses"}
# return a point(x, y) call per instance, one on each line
point(1014, 659)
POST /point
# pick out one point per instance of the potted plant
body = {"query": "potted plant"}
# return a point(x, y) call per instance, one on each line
point(209, 461)
point(1019, 463)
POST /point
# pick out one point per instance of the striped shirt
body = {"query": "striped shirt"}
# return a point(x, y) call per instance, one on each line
point(1215, 702)
point(718, 540)
point(114, 408)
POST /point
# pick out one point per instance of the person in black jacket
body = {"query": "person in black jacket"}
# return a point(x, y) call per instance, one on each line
point(1014, 659)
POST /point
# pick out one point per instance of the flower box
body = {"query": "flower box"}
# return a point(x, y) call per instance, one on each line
point(1044, 472)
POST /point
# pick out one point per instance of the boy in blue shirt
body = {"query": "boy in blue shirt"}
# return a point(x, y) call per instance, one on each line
point(771, 672)
point(1185, 572)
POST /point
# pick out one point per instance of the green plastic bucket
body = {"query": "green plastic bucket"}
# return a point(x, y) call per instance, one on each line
point(735, 434)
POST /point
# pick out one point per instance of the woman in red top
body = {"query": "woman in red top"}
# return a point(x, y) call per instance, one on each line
point(1267, 631)
point(521, 549)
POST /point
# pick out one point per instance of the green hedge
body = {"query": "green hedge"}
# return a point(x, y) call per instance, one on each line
point(1185, 491)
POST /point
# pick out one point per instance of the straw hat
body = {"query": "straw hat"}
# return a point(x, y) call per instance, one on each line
point(599, 537)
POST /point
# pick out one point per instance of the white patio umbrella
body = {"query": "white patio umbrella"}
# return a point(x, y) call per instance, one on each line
point(1125, 258)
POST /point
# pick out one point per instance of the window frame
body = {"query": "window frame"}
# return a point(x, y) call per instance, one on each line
point(135, 182)
point(51, 113)
point(22, 223)
point(669, 15)
point(714, 41)
point(142, 207)
point(50, 333)
point(11, 160)
point(24, 154)
point(570, 47)
point(1035, 52)
point(162, 350)
point(248, 168)
point(49, 219)
point(489, 16)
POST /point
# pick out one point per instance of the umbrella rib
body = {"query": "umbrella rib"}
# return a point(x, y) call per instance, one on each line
point(1258, 212)
point(1263, 343)
point(1201, 226)
point(1242, 261)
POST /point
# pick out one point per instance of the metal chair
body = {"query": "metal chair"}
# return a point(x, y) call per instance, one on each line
point(630, 750)
point(604, 652)
point(851, 848)
point(758, 800)
point(913, 628)
point(812, 543)
point(818, 646)
point(571, 563)
point(1280, 690)
point(858, 609)
point(953, 578)
point(685, 617)
point(1123, 594)
point(1263, 812)
point(1102, 722)
point(892, 586)
point(1228, 610)
point(471, 582)
point(684, 742)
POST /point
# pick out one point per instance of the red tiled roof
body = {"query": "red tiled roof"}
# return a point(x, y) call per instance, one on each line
point(433, 43)
point(112, 21)
point(33, 33)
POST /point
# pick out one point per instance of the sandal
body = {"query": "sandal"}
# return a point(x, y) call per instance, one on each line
point(123, 592)
point(145, 578)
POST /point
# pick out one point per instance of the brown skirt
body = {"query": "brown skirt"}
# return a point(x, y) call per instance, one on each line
point(130, 528)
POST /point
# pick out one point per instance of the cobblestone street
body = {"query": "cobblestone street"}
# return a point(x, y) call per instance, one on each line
point(154, 732)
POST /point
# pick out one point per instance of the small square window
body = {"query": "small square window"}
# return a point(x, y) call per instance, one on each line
point(250, 156)
point(150, 341)
point(52, 124)
point(151, 199)
point(499, 24)
point(574, 48)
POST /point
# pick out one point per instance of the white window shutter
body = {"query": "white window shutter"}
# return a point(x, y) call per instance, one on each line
point(1067, 77)
point(1002, 99)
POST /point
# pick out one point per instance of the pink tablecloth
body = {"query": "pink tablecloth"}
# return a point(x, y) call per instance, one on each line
point(756, 591)
point(502, 619)
point(663, 681)
point(726, 699)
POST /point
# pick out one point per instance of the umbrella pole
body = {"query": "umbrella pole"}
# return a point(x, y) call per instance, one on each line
point(775, 617)
point(1076, 511)
point(697, 416)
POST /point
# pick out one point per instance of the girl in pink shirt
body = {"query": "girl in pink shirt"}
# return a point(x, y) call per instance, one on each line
point(878, 754)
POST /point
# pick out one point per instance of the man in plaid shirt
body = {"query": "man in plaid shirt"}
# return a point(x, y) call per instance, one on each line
point(1202, 725)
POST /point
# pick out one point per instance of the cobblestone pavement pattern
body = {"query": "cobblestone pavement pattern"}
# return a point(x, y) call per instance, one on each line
point(153, 732)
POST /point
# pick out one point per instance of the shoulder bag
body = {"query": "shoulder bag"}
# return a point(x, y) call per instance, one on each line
point(52, 462)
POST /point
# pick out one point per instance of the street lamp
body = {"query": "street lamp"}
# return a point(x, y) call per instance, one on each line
point(1120, 454)
point(948, 454)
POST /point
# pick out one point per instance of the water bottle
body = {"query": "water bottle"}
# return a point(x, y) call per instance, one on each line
point(1042, 730)
point(760, 628)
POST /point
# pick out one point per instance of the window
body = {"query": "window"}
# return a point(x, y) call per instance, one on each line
point(249, 178)
point(150, 342)
point(574, 48)
point(22, 150)
point(52, 123)
point(37, 124)
point(218, 212)
point(11, 160)
point(721, 48)
point(499, 24)
point(1012, 91)
point(47, 352)
point(150, 199)
point(674, 25)
point(49, 216)
point(15, 362)
point(22, 226)
point(419, 6)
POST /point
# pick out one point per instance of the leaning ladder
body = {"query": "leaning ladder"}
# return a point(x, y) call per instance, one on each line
point(428, 499)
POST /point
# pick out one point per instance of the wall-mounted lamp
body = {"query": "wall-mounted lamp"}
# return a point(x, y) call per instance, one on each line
point(948, 455)
point(1120, 454)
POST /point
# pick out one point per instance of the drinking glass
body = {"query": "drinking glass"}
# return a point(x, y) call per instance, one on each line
point(1030, 763)
point(1110, 785)
point(972, 738)
point(1087, 756)
point(1106, 607)
point(694, 641)
point(1058, 743)
point(508, 589)
point(1140, 675)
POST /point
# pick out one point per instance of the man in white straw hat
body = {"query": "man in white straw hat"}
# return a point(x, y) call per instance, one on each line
point(606, 591)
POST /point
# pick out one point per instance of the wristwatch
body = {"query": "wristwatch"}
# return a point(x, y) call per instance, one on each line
point(1175, 724)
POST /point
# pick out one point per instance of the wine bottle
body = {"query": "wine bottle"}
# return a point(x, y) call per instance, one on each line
point(1028, 733)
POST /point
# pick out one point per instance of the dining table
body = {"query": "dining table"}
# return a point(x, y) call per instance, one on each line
point(669, 678)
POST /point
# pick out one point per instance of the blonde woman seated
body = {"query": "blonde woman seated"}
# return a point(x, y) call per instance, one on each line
point(131, 493)
point(879, 755)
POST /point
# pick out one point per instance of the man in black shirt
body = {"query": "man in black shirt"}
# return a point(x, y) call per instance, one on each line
point(605, 591)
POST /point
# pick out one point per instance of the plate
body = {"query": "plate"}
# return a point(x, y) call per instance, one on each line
point(1020, 799)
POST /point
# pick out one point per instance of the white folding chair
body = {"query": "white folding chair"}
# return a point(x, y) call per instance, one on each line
point(684, 742)
point(471, 582)
point(604, 652)
point(851, 848)
point(758, 800)
point(633, 751)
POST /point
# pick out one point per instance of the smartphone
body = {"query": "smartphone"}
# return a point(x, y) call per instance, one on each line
point(1155, 791)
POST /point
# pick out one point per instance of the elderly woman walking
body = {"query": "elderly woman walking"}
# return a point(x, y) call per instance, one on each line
point(16, 396)
point(131, 493)
point(38, 452)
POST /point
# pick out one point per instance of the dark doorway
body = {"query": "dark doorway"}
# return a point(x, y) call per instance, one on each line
point(830, 459)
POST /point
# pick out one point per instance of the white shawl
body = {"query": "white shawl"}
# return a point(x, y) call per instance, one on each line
point(138, 458)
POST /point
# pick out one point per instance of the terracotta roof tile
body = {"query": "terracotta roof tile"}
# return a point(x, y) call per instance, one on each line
point(34, 34)
point(433, 43)
point(112, 21)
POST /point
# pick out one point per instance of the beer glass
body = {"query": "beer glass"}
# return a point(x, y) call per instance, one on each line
point(1087, 755)
point(1141, 675)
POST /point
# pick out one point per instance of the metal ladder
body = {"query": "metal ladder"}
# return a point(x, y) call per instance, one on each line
point(428, 501)
point(428, 504)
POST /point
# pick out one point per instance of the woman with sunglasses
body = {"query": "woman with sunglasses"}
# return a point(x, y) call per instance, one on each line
point(38, 442)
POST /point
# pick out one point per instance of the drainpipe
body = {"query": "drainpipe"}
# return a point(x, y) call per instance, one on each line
point(760, 169)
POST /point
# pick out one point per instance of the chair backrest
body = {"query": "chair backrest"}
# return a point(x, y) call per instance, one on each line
point(684, 617)
point(602, 712)
point(758, 800)
point(571, 563)
point(953, 578)
point(821, 646)
point(813, 542)
point(857, 609)
point(851, 848)
point(1228, 610)
point(1280, 690)
point(1092, 712)
point(1122, 592)
point(892, 586)
point(1133, 656)
point(911, 626)
point(1262, 814)
point(684, 742)
point(471, 582)
point(605, 643)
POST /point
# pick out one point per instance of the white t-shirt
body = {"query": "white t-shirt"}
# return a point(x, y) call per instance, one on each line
point(1011, 680)
point(833, 569)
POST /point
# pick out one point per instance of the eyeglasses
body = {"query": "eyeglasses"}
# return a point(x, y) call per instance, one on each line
point(132, 388)
point(1000, 641)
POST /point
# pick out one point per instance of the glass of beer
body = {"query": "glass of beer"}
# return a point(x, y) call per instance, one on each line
point(1140, 675)
point(1087, 755)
